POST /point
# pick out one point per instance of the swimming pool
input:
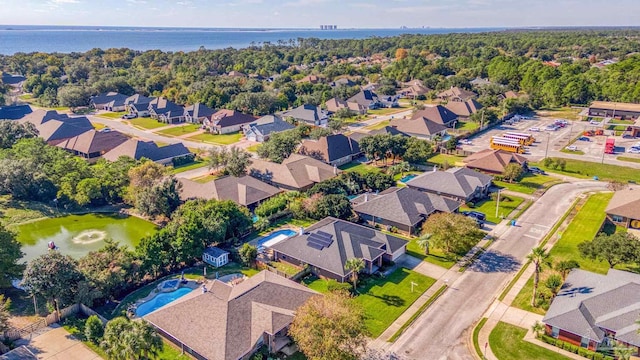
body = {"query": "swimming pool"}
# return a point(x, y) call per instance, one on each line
point(161, 300)
point(407, 178)
point(275, 237)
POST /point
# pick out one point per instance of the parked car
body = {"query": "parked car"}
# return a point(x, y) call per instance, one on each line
point(593, 122)
point(584, 138)
point(465, 142)
point(475, 214)
point(536, 170)
point(105, 130)
point(634, 150)
point(551, 128)
point(572, 148)
point(129, 116)
point(534, 129)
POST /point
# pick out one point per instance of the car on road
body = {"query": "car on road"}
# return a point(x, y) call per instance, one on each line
point(105, 130)
point(584, 138)
point(593, 122)
point(129, 116)
point(572, 148)
point(536, 170)
point(551, 128)
point(465, 142)
point(534, 129)
point(634, 150)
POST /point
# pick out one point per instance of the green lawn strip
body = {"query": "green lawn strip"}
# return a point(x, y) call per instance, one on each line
point(507, 343)
point(205, 178)
point(222, 139)
point(385, 299)
point(386, 111)
point(475, 256)
point(488, 207)
point(113, 115)
point(564, 113)
point(436, 256)
point(441, 158)
point(180, 130)
point(147, 123)
point(285, 268)
point(476, 332)
point(361, 168)
point(527, 185)
point(15, 212)
point(467, 125)
point(628, 159)
point(378, 126)
point(398, 177)
point(513, 281)
point(98, 126)
point(586, 169)
point(574, 152)
point(186, 167)
point(420, 311)
point(254, 148)
point(319, 285)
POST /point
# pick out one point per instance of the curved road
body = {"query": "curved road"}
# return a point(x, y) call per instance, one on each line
point(441, 332)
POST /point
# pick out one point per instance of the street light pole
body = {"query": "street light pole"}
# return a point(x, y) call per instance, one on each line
point(498, 203)
point(604, 150)
point(546, 151)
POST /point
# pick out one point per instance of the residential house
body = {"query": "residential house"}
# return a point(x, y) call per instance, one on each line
point(334, 149)
point(357, 136)
point(493, 161)
point(419, 127)
point(245, 190)
point(624, 208)
point(464, 109)
point(460, 184)
point(20, 353)
point(138, 149)
point(308, 114)
point(228, 121)
point(438, 114)
point(54, 127)
point(297, 172)
point(236, 74)
point(414, 89)
point(342, 82)
point(109, 101)
point(230, 322)
point(14, 112)
point(312, 79)
point(215, 257)
point(480, 82)
point(198, 113)
point(327, 245)
point(367, 99)
point(335, 104)
point(402, 208)
point(138, 104)
point(166, 111)
point(456, 94)
point(594, 311)
point(13, 80)
point(93, 144)
point(508, 95)
point(261, 129)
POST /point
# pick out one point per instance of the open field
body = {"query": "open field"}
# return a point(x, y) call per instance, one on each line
point(440, 159)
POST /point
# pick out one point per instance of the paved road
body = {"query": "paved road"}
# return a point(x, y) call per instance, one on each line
point(441, 333)
point(378, 119)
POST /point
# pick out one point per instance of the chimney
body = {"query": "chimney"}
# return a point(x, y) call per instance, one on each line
point(366, 197)
point(301, 232)
point(335, 170)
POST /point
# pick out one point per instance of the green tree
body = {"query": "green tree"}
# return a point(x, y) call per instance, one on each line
point(130, 340)
point(12, 131)
point(238, 161)
point(74, 96)
point(88, 190)
point(512, 172)
point(333, 205)
point(564, 267)
point(218, 157)
point(539, 257)
point(319, 132)
point(330, 327)
point(418, 151)
point(453, 233)
point(10, 255)
point(424, 241)
point(617, 248)
point(54, 277)
point(93, 329)
point(622, 351)
point(5, 315)
point(280, 145)
point(248, 254)
point(538, 328)
point(160, 199)
point(355, 265)
point(553, 283)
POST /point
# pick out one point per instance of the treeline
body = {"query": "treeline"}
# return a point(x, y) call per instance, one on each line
point(513, 59)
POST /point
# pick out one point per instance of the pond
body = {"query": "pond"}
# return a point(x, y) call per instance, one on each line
point(77, 235)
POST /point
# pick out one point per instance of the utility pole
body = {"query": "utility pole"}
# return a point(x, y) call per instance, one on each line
point(546, 151)
point(498, 202)
point(604, 149)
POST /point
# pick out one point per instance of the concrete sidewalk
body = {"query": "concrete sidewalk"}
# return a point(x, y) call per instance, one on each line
point(58, 344)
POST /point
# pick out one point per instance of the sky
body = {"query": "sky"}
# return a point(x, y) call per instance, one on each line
point(311, 13)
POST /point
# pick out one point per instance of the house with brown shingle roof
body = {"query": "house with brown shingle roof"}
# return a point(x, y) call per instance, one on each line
point(227, 121)
point(414, 89)
point(335, 104)
point(493, 161)
point(334, 149)
point(313, 79)
point(93, 144)
point(464, 109)
point(138, 149)
point(297, 172)
point(420, 127)
point(438, 114)
point(246, 190)
point(227, 322)
point(456, 94)
point(624, 208)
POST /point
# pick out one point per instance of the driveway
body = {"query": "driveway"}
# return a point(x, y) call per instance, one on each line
point(58, 344)
point(441, 332)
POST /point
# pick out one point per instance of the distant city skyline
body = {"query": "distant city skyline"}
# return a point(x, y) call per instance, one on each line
point(313, 13)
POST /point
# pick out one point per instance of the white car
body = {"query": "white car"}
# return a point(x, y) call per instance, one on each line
point(593, 122)
point(634, 150)
point(465, 142)
point(551, 128)
point(572, 148)
point(534, 129)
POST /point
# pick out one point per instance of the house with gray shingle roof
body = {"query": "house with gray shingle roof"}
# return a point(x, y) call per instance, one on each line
point(14, 112)
point(138, 104)
point(230, 322)
point(464, 109)
point(54, 127)
point(198, 113)
point(309, 114)
point(166, 111)
point(438, 114)
point(493, 161)
point(592, 310)
point(334, 149)
point(297, 172)
point(460, 184)
point(138, 149)
point(227, 121)
point(246, 190)
point(109, 101)
point(261, 129)
point(420, 127)
point(456, 94)
point(624, 208)
point(403, 208)
point(327, 245)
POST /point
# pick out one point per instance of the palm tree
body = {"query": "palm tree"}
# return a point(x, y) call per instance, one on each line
point(538, 328)
point(553, 283)
point(623, 352)
point(125, 340)
point(564, 267)
point(355, 265)
point(423, 242)
point(539, 257)
point(149, 342)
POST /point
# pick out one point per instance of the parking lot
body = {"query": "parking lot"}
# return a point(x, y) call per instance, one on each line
point(551, 143)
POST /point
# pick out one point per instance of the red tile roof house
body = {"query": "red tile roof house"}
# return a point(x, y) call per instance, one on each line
point(594, 310)
point(228, 121)
point(227, 322)
point(327, 245)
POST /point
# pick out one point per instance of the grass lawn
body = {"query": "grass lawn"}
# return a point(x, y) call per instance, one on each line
point(488, 207)
point(314, 283)
point(161, 144)
point(628, 159)
point(563, 112)
point(385, 299)
point(574, 152)
point(180, 130)
point(621, 122)
point(507, 343)
point(528, 184)
point(386, 111)
point(378, 126)
point(205, 178)
point(467, 125)
point(586, 169)
point(113, 115)
point(436, 256)
point(186, 167)
point(98, 126)
point(14, 212)
point(254, 148)
point(147, 123)
point(285, 268)
point(226, 139)
point(361, 168)
point(441, 158)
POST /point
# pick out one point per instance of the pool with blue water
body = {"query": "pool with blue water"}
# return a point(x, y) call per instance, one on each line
point(160, 300)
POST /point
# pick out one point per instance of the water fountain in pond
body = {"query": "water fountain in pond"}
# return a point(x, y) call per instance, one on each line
point(89, 237)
